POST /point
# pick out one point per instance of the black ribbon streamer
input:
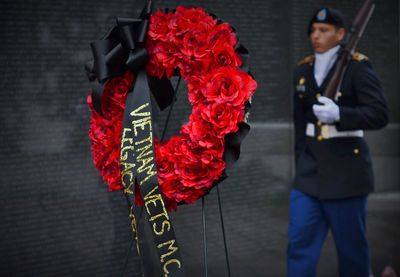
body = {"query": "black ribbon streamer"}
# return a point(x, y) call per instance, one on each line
point(138, 167)
point(121, 49)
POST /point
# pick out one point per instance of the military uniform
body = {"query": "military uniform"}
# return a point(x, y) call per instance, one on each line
point(333, 168)
point(337, 163)
point(333, 164)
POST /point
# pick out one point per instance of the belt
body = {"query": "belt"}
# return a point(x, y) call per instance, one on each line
point(330, 131)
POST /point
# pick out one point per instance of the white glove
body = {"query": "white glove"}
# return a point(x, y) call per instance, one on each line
point(328, 112)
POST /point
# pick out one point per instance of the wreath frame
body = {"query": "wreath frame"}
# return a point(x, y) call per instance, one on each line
point(207, 53)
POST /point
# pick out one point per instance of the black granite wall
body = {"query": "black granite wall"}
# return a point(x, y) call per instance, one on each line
point(57, 218)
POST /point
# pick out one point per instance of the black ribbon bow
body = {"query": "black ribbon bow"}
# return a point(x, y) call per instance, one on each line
point(122, 48)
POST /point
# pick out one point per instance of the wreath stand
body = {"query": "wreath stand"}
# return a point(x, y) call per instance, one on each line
point(203, 209)
point(124, 47)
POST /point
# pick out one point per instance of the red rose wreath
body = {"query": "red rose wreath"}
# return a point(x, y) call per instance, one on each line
point(203, 49)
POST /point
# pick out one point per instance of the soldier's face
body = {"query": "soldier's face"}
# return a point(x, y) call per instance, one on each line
point(325, 36)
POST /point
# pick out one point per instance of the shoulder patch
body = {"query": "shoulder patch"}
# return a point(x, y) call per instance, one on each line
point(307, 60)
point(357, 56)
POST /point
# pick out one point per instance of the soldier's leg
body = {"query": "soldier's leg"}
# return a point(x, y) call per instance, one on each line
point(347, 221)
point(306, 234)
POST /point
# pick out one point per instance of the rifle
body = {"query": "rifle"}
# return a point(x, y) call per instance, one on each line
point(348, 46)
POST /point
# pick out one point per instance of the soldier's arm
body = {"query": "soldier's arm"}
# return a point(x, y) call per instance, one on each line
point(370, 111)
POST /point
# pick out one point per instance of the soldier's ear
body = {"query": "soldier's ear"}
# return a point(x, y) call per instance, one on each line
point(341, 33)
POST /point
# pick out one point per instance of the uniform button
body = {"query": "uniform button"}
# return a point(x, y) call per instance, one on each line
point(320, 138)
point(301, 95)
point(356, 151)
point(318, 95)
point(319, 123)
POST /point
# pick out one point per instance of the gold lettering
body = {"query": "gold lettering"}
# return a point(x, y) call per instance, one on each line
point(150, 173)
point(124, 156)
point(172, 249)
point(149, 140)
point(150, 194)
point(167, 263)
point(144, 163)
point(137, 110)
point(124, 152)
point(142, 151)
point(124, 139)
point(163, 224)
point(141, 123)
point(126, 171)
point(130, 181)
point(126, 166)
point(155, 199)
point(141, 157)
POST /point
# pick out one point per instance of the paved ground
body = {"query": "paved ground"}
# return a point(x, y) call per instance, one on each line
point(257, 239)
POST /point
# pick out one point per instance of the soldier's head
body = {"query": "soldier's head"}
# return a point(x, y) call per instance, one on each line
point(326, 29)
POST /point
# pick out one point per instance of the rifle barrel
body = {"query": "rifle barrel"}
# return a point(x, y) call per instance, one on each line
point(356, 31)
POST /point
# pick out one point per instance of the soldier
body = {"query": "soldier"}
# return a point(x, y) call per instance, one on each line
point(333, 168)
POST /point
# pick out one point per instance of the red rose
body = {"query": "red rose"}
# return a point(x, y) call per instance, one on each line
point(194, 44)
point(105, 133)
point(223, 33)
point(196, 16)
point(171, 148)
point(224, 54)
point(227, 84)
point(105, 141)
point(188, 195)
point(223, 116)
point(198, 175)
point(169, 189)
point(208, 156)
point(196, 86)
point(112, 176)
point(195, 55)
point(154, 67)
point(189, 169)
point(158, 27)
point(164, 162)
point(186, 19)
point(162, 58)
point(192, 175)
point(114, 94)
point(189, 165)
point(201, 132)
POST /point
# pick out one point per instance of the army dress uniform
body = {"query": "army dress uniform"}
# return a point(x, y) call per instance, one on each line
point(333, 161)
point(333, 167)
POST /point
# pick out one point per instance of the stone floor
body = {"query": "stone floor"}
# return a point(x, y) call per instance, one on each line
point(257, 240)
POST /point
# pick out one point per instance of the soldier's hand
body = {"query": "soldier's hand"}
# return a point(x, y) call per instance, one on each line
point(328, 112)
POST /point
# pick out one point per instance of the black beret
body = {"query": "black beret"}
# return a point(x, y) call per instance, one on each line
point(328, 16)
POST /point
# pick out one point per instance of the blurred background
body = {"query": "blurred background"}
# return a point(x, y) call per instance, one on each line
point(57, 217)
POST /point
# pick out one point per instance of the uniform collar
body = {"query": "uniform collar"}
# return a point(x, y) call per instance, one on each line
point(326, 56)
point(323, 64)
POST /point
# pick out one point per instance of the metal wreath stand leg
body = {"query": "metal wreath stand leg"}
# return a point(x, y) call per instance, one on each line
point(223, 233)
point(202, 208)
point(203, 212)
